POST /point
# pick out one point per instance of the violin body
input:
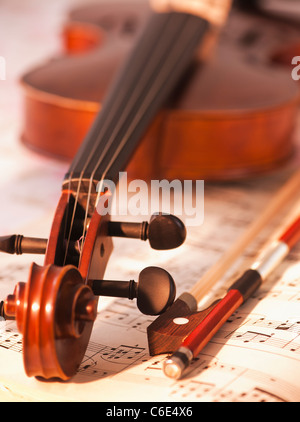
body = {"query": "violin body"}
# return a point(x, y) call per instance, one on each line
point(227, 119)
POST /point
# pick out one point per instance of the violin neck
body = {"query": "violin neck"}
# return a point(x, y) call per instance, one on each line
point(163, 52)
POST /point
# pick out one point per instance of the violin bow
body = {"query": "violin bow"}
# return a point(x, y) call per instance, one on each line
point(168, 331)
point(237, 294)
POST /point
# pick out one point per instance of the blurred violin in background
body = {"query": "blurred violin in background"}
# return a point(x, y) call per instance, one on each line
point(230, 117)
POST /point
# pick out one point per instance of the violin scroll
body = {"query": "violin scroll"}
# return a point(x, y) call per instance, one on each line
point(56, 308)
point(55, 311)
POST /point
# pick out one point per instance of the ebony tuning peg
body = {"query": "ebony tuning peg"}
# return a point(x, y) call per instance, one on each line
point(164, 231)
point(155, 290)
point(2, 313)
point(18, 244)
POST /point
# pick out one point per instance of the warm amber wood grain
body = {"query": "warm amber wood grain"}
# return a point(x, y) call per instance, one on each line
point(228, 120)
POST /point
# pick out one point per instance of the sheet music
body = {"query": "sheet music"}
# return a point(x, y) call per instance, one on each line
point(254, 357)
point(248, 359)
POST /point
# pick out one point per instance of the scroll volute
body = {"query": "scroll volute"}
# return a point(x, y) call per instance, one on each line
point(56, 308)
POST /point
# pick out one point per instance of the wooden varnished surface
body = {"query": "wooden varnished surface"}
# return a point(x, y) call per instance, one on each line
point(117, 363)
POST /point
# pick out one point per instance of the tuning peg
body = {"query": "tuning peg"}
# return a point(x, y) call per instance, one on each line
point(18, 244)
point(164, 231)
point(2, 313)
point(154, 291)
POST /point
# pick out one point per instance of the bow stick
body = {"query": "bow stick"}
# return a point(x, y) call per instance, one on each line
point(166, 333)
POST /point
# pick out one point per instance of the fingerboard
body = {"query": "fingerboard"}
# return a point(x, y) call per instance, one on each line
point(154, 67)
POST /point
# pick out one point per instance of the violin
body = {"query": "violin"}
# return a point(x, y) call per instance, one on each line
point(56, 308)
point(227, 119)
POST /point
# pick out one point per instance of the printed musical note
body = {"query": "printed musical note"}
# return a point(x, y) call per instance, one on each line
point(101, 360)
point(10, 338)
point(232, 383)
point(250, 336)
point(238, 318)
point(192, 391)
point(254, 394)
point(155, 364)
point(258, 395)
point(125, 314)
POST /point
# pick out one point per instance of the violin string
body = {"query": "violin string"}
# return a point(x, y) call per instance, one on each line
point(135, 95)
point(156, 82)
point(148, 98)
point(112, 109)
point(115, 104)
point(139, 107)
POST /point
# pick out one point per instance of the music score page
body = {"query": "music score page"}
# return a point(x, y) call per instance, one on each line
point(255, 356)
